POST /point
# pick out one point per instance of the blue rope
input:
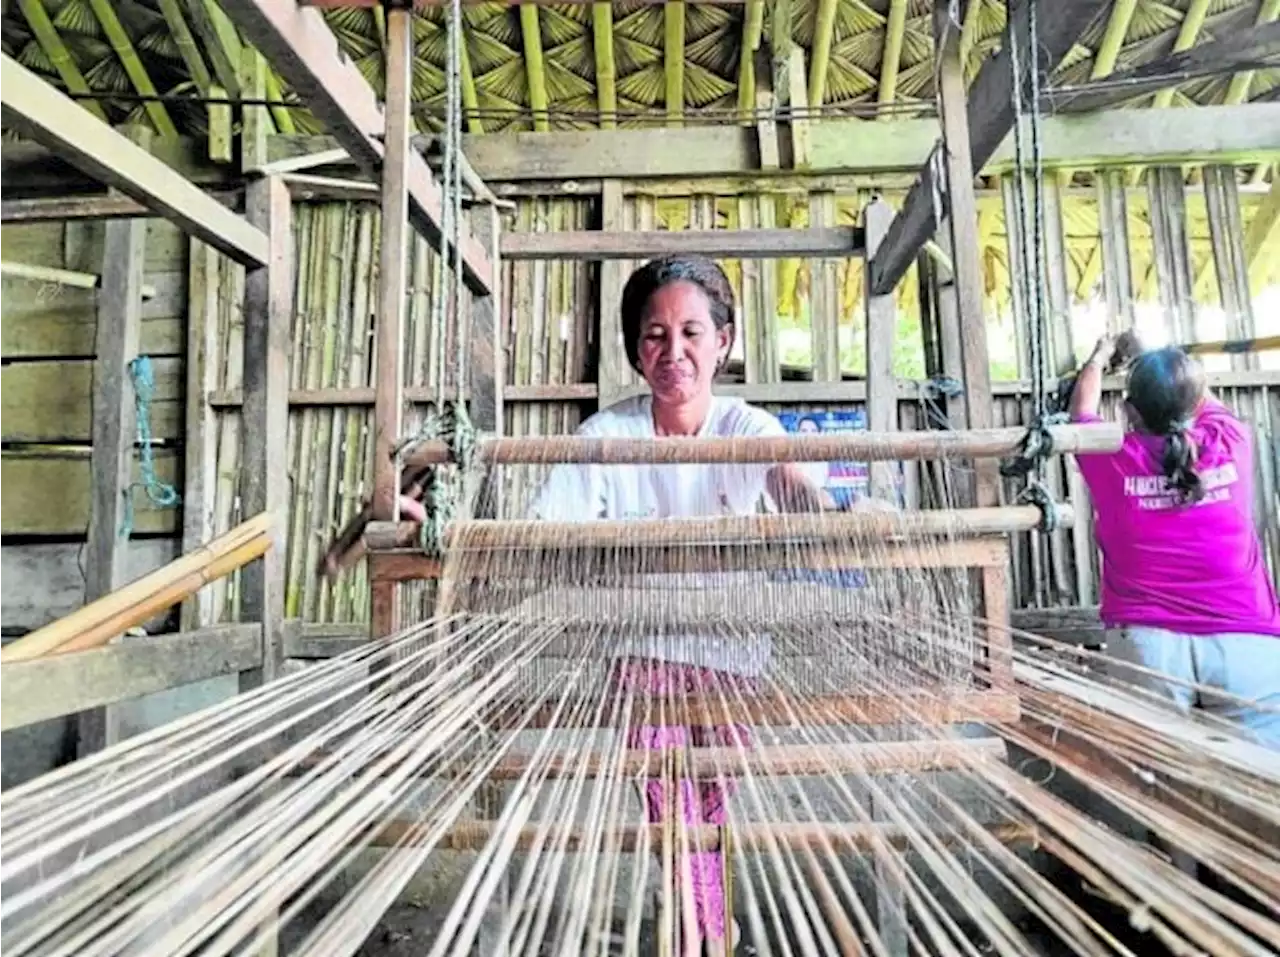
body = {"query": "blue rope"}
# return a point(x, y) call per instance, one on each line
point(161, 494)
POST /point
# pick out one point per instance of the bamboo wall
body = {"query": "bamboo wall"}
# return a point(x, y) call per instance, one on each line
point(551, 347)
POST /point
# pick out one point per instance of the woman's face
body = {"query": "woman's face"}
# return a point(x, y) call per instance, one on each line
point(680, 346)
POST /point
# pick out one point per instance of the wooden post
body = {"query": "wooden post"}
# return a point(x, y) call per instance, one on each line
point(615, 374)
point(882, 315)
point(824, 291)
point(965, 247)
point(1113, 227)
point(393, 270)
point(268, 309)
point(486, 375)
point(200, 440)
point(1226, 233)
point(1168, 207)
point(114, 430)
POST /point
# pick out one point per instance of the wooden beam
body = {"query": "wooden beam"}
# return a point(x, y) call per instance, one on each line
point(881, 331)
point(593, 245)
point(752, 33)
point(264, 471)
point(1117, 270)
point(535, 67)
point(1246, 48)
point(36, 109)
point(114, 430)
point(1167, 203)
point(299, 44)
point(1238, 91)
point(486, 374)
point(106, 206)
point(45, 688)
point(895, 29)
point(1188, 33)
point(59, 55)
point(966, 246)
point(673, 19)
point(1226, 234)
point(615, 373)
point(990, 113)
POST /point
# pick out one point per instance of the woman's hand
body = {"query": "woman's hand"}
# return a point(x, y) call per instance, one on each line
point(791, 489)
point(1104, 351)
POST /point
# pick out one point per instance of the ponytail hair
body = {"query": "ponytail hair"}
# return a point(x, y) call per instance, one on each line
point(1165, 389)
point(1179, 461)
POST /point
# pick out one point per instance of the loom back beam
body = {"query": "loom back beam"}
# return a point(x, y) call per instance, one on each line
point(853, 446)
point(734, 530)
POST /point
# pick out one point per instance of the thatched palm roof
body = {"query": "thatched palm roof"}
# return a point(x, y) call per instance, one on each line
point(125, 50)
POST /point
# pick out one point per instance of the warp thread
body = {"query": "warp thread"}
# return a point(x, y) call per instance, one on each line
point(161, 494)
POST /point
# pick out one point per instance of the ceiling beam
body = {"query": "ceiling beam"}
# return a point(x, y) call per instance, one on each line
point(673, 62)
point(990, 112)
point(606, 71)
point(1117, 138)
point(304, 51)
point(1243, 51)
point(598, 245)
point(34, 108)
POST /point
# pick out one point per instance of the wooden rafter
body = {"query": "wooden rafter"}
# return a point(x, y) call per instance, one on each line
point(118, 37)
point(47, 116)
point(1104, 61)
point(990, 120)
point(824, 34)
point(50, 41)
point(300, 45)
point(1238, 91)
point(895, 29)
point(752, 33)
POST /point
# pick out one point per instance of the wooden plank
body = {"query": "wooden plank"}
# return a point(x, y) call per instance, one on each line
point(268, 314)
point(1226, 233)
point(45, 688)
point(990, 106)
point(881, 330)
point(200, 436)
point(26, 508)
point(1117, 271)
point(43, 581)
point(88, 207)
point(597, 245)
point(615, 373)
point(114, 430)
point(35, 108)
point(1167, 204)
point(51, 402)
point(299, 44)
point(392, 275)
point(486, 369)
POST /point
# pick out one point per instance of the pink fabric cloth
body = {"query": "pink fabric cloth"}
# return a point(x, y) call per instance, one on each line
point(1192, 569)
point(698, 802)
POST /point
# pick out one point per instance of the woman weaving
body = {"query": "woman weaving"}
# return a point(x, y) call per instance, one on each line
point(677, 323)
point(1184, 582)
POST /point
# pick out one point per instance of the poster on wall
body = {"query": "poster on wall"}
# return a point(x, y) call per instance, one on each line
point(846, 482)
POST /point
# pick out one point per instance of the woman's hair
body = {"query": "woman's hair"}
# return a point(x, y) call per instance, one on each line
point(1165, 388)
point(652, 276)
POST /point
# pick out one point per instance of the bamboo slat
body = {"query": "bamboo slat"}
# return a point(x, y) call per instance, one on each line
point(98, 622)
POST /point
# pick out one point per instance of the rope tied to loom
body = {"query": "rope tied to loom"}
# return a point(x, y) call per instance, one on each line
point(446, 484)
point(161, 494)
point(1033, 451)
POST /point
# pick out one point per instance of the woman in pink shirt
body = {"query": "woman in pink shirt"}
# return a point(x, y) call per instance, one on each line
point(1185, 586)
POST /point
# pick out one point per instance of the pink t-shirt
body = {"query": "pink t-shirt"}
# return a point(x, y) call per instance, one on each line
point(1194, 569)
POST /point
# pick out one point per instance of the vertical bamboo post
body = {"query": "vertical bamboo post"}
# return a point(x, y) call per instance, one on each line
point(1167, 198)
point(268, 306)
point(117, 343)
point(1226, 234)
point(1117, 271)
point(614, 373)
point(393, 270)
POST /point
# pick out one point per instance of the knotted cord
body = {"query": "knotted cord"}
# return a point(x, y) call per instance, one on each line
point(160, 494)
point(1033, 454)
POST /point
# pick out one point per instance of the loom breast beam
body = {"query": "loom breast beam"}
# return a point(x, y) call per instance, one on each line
point(857, 447)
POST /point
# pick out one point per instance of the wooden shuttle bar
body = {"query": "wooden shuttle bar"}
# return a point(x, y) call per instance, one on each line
point(584, 564)
point(873, 758)
point(922, 708)
point(843, 837)
point(853, 446)
point(729, 530)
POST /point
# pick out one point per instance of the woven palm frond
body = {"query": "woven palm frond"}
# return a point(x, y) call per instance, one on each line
point(578, 56)
point(428, 79)
point(33, 57)
point(630, 55)
point(848, 81)
point(701, 20)
point(564, 84)
point(643, 26)
point(857, 17)
point(917, 41)
point(647, 86)
point(108, 76)
point(864, 51)
point(717, 52)
point(76, 16)
point(1151, 18)
point(702, 86)
point(916, 82)
point(159, 42)
point(487, 52)
point(509, 82)
point(556, 28)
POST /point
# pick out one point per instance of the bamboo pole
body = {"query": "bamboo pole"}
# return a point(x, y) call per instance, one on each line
point(834, 527)
point(854, 446)
point(98, 622)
